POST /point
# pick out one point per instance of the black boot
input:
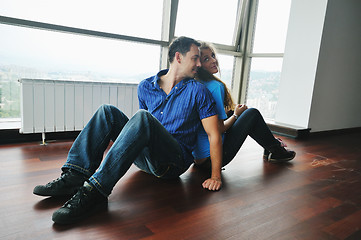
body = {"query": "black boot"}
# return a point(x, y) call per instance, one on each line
point(66, 185)
point(87, 201)
point(278, 153)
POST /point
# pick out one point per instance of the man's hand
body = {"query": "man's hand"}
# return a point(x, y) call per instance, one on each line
point(210, 125)
point(212, 184)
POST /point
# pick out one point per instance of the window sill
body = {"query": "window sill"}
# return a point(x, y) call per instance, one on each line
point(10, 123)
point(288, 130)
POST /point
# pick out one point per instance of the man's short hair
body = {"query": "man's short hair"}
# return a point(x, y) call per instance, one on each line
point(182, 45)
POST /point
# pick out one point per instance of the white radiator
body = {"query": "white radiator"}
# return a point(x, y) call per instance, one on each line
point(58, 106)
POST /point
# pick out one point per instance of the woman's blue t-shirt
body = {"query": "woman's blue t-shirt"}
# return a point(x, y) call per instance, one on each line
point(202, 146)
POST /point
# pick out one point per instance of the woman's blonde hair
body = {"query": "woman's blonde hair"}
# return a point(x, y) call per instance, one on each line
point(204, 75)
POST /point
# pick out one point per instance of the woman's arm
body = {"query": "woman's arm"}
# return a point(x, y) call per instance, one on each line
point(218, 94)
point(224, 125)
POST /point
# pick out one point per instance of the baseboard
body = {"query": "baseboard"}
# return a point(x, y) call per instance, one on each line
point(302, 133)
point(356, 130)
point(9, 136)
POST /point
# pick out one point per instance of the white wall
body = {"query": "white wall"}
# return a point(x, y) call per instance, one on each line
point(300, 61)
point(321, 73)
point(336, 102)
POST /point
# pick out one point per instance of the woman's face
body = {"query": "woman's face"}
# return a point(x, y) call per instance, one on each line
point(209, 61)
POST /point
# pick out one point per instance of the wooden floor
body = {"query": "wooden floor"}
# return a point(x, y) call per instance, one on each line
point(316, 196)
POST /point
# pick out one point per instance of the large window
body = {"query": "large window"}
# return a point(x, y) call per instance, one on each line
point(126, 41)
point(270, 30)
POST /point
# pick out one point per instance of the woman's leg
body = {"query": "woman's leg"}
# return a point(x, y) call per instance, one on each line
point(250, 123)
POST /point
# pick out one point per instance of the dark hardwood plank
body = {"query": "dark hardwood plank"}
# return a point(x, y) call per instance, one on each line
point(316, 196)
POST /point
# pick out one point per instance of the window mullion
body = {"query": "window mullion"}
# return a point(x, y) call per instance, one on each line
point(241, 12)
point(242, 62)
point(248, 41)
point(170, 8)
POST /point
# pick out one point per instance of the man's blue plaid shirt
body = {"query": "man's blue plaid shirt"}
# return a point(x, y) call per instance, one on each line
point(180, 111)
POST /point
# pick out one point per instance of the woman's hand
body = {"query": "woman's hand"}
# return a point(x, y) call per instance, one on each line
point(239, 109)
point(212, 184)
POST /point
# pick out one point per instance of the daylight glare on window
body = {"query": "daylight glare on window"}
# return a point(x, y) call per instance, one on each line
point(75, 57)
point(207, 20)
point(271, 26)
point(140, 18)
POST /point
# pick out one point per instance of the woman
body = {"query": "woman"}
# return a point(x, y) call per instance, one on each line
point(242, 123)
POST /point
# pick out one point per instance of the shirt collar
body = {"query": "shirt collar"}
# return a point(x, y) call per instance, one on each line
point(163, 72)
point(157, 77)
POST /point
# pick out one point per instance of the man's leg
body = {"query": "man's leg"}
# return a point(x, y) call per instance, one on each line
point(143, 133)
point(144, 140)
point(86, 152)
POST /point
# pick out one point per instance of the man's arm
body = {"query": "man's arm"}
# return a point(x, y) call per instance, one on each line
point(211, 127)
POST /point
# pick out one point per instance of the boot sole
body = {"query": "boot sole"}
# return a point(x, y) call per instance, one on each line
point(54, 194)
point(65, 220)
point(280, 160)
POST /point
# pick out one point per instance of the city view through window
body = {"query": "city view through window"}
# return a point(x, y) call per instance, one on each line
point(263, 85)
point(262, 92)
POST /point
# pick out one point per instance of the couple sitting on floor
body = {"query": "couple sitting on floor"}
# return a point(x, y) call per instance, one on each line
point(181, 121)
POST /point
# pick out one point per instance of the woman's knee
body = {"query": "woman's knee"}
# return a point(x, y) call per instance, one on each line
point(253, 111)
point(250, 113)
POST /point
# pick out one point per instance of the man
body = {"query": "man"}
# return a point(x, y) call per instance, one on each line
point(158, 139)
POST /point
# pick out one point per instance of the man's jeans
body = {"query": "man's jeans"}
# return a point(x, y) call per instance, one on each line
point(142, 140)
point(249, 123)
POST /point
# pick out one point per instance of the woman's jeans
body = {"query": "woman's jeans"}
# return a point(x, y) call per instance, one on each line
point(249, 123)
point(141, 140)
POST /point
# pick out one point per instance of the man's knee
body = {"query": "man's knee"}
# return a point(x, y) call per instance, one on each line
point(143, 117)
point(106, 107)
point(111, 112)
point(142, 113)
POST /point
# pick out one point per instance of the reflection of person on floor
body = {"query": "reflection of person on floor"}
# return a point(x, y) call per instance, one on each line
point(159, 138)
point(243, 122)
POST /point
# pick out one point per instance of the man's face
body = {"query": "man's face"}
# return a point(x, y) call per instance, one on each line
point(191, 62)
